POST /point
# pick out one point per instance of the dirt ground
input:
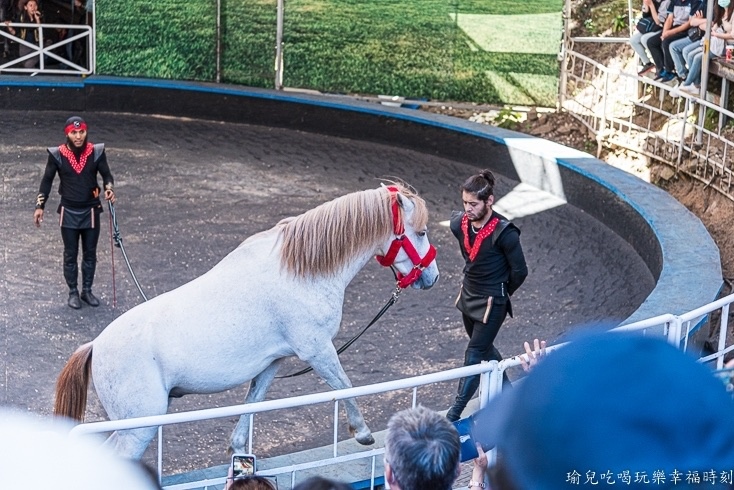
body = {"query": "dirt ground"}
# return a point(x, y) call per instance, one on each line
point(190, 191)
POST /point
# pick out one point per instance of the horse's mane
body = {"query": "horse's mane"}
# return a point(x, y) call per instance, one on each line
point(322, 240)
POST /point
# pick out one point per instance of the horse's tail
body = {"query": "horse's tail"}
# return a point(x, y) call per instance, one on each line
point(71, 386)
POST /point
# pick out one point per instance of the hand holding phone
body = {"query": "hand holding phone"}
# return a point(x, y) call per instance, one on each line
point(243, 465)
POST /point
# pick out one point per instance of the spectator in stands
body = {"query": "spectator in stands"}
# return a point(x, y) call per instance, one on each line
point(611, 408)
point(675, 27)
point(6, 14)
point(721, 32)
point(532, 356)
point(321, 483)
point(249, 482)
point(29, 14)
point(654, 13)
point(680, 48)
point(421, 451)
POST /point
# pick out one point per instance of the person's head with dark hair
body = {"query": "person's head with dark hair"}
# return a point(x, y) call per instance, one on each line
point(321, 483)
point(481, 185)
point(610, 403)
point(421, 451)
point(477, 194)
point(252, 482)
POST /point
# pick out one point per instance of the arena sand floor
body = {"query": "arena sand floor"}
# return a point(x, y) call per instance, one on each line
point(190, 191)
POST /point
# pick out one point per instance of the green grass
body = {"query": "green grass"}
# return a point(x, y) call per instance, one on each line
point(488, 51)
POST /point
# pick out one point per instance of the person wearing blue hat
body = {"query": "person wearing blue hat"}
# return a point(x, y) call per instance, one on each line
point(78, 162)
point(611, 408)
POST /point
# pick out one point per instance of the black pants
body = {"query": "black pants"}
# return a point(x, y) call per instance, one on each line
point(89, 238)
point(660, 51)
point(481, 336)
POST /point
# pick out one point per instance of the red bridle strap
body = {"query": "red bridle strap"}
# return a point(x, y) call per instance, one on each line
point(401, 241)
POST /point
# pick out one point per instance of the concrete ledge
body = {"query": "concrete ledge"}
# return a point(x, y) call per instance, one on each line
point(673, 242)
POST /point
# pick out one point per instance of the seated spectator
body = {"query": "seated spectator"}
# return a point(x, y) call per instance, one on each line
point(421, 451)
point(321, 483)
point(721, 32)
point(680, 48)
point(29, 14)
point(611, 408)
point(38, 454)
point(654, 13)
point(675, 27)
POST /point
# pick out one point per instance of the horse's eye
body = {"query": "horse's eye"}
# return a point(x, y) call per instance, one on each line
point(421, 233)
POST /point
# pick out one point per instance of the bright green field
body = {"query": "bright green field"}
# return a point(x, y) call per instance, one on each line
point(487, 51)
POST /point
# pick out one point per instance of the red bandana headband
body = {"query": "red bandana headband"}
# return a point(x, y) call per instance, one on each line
point(75, 126)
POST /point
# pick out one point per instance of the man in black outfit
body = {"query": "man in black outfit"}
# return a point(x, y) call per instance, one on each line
point(495, 268)
point(77, 162)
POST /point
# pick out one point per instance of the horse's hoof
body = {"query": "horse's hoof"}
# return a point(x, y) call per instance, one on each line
point(366, 439)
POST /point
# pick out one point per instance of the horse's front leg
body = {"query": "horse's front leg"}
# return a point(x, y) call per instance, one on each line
point(258, 387)
point(326, 364)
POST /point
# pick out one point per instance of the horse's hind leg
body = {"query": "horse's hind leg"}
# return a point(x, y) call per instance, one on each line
point(258, 387)
point(327, 365)
point(125, 396)
point(131, 443)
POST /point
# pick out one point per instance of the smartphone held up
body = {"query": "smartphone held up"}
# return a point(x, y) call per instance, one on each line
point(243, 465)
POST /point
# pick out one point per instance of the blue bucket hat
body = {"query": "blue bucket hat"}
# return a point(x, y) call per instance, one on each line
point(611, 405)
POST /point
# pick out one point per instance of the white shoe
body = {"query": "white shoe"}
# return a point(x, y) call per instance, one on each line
point(690, 90)
point(675, 91)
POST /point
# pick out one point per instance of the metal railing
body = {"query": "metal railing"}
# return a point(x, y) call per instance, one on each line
point(625, 110)
point(48, 61)
point(677, 330)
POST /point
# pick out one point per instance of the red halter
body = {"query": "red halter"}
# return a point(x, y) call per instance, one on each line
point(401, 241)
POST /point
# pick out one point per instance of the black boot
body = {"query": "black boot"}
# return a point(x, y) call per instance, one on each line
point(89, 264)
point(89, 298)
point(74, 299)
point(467, 387)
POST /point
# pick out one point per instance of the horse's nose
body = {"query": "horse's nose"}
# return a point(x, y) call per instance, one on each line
point(425, 284)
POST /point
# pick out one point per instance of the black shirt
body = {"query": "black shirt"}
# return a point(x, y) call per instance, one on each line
point(77, 189)
point(499, 267)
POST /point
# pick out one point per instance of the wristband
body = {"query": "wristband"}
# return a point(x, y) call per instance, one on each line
point(479, 484)
point(40, 201)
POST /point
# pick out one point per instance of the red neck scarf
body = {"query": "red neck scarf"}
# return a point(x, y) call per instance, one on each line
point(78, 166)
point(486, 230)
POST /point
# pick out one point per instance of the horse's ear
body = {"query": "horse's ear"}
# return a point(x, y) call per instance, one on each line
point(404, 202)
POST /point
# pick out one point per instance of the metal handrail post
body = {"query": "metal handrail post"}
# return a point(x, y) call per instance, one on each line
point(705, 69)
point(682, 139)
point(563, 83)
point(279, 46)
point(219, 41)
point(603, 121)
point(722, 335)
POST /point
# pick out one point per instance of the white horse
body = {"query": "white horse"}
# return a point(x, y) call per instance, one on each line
point(281, 289)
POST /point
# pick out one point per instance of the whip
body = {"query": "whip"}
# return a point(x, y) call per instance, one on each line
point(115, 235)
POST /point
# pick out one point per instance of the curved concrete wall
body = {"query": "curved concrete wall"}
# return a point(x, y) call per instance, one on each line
point(673, 242)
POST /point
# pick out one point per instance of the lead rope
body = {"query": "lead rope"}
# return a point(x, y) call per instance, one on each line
point(118, 242)
point(393, 299)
